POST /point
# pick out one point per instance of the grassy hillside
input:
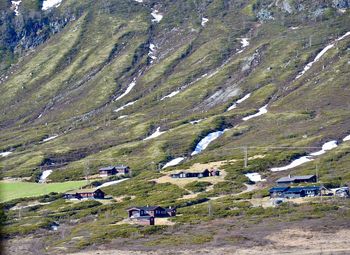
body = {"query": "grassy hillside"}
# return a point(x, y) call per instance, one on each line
point(98, 77)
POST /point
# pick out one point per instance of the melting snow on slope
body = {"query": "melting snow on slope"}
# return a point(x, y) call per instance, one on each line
point(5, 154)
point(106, 184)
point(152, 52)
point(326, 147)
point(319, 55)
point(139, 1)
point(172, 94)
point(203, 144)
point(174, 162)
point(196, 121)
point(245, 44)
point(262, 110)
point(155, 134)
point(255, 177)
point(238, 102)
point(122, 117)
point(127, 91)
point(295, 163)
point(44, 176)
point(15, 6)
point(156, 16)
point(50, 138)
point(50, 3)
point(300, 161)
point(124, 106)
point(204, 21)
point(347, 138)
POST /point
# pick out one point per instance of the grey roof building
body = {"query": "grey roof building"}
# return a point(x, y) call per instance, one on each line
point(297, 179)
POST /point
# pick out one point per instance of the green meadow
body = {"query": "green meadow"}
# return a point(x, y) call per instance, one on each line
point(13, 190)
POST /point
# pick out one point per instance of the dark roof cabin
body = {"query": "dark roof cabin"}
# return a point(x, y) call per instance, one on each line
point(108, 171)
point(113, 170)
point(153, 211)
point(85, 193)
point(121, 169)
point(297, 179)
point(295, 192)
point(183, 174)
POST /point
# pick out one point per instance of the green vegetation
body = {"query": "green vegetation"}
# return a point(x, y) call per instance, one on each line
point(13, 190)
point(197, 186)
point(61, 72)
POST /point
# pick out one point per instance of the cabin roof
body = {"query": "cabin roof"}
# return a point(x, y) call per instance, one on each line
point(278, 189)
point(295, 178)
point(121, 167)
point(108, 168)
point(145, 208)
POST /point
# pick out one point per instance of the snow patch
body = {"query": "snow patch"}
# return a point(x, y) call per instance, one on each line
point(255, 177)
point(238, 102)
point(300, 161)
point(319, 55)
point(157, 17)
point(203, 144)
point(172, 94)
point(245, 43)
point(152, 52)
point(50, 3)
point(5, 154)
point(204, 21)
point(44, 176)
point(196, 121)
point(155, 134)
point(124, 106)
point(174, 162)
point(50, 138)
point(127, 91)
point(346, 138)
point(106, 184)
point(122, 117)
point(326, 147)
point(295, 163)
point(139, 1)
point(15, 6)
point(262, 110)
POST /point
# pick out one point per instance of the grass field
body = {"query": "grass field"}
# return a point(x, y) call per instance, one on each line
point(13, 190)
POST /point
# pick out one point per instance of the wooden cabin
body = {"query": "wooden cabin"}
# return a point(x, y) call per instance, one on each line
point(121, 169)
point(295, 192)
point(85, 194)
point(183, 174)
point(153, 211)
point(107, 171)
point(114, 170)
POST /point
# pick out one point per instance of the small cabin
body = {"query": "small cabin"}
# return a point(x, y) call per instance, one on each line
point(215, 172)
point(153, 211)
point(121, 169)
point(114, 170)
point(295, 192)
point(183, 174)
point(107, 171)
point(85, 194)
point(297, 179)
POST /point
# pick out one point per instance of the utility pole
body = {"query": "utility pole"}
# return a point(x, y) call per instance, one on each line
point(210, 212)
point(317, 178)
point(310, 41)
point(245, 148)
